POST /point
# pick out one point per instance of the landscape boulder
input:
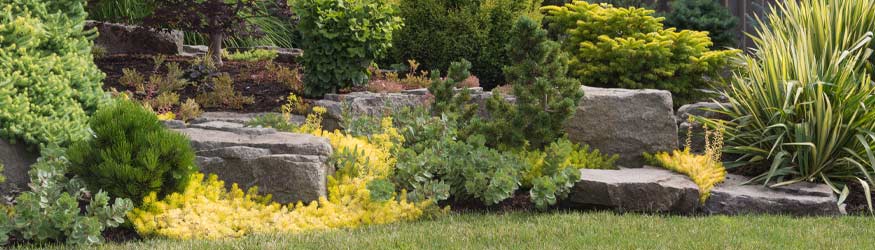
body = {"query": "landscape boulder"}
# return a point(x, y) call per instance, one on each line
point(292, 167)
point(636, 190)
point(804, 198)
point(16, 161)
point(131, 39)
point(626, 122)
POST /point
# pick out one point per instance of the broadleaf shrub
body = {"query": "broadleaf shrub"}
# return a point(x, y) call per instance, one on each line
point(704, 15)
point(132, 154)
point(801, 109)
point(342, 39)
point(49, 83)
point(439, 32)
point(50, 212)
point(630, 48)
point(550, 174)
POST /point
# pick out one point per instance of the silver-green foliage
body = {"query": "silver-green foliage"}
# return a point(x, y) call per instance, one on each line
point(48, 81)
point(50, 212)
point(803, 108)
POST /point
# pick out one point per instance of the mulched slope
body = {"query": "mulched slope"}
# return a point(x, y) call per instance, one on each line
point(268, 95)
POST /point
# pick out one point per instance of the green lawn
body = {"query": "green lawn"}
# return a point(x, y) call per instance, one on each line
point(599, 230)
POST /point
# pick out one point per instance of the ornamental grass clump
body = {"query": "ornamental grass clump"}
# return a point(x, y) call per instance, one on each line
point(802, 108)
point(706, 170)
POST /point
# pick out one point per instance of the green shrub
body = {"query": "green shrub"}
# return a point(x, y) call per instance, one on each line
point(255, 55)
point(550, 174)
point(439, 32)
point(545, 96)
point(49, 83)
point(132, 154)
point(342, 38)
point(804, 113)
point(51, 212)
point(2, 177)
point(629, 48)
point(704, 15)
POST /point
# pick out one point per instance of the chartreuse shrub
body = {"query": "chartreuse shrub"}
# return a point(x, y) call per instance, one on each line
point(544, 96)
point(49, 83)
point(629, 48)
point(439, 32)
point(801, 109)
point(704, 15)
point(706, 170)
point(255, 55)
point(550, 174)
point(357, 195)
point(342, 39)
point(51, 213)
point(131, 154)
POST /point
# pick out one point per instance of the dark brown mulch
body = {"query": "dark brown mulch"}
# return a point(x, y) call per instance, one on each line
point(268, 95)
point(121, 234)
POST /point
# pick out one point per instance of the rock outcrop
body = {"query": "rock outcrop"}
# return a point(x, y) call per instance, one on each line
point(130, 39)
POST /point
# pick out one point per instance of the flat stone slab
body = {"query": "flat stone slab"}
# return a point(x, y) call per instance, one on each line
point(291, 167)
point(732, 198)
point(234, 117)
point(636, 190)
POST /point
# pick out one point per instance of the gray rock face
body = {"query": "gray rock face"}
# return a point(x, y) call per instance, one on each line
point(702, 109)
point(16, 161)
point(625, 122)
point(291, 167)
point(130, 39)
point(730, 197)
point(363, 103)
point(241, 118)
point(636, 190)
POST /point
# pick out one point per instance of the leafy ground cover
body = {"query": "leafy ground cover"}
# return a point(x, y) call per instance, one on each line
point(563, 230)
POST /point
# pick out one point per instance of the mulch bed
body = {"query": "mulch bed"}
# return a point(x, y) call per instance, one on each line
point(268, 95)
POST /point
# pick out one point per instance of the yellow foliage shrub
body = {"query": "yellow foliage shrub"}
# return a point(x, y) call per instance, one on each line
point(705, 170)
point(207, 210)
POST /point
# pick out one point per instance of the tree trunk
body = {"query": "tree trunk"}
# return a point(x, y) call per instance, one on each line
point(216, 47)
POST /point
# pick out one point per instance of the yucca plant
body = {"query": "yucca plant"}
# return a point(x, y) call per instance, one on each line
point(803, 108)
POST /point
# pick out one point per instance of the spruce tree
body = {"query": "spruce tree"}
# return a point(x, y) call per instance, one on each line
point(545, 96)
point(131, 154)
point(704, 15)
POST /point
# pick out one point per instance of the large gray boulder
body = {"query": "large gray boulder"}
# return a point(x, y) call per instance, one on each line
point(625, 122)
point(364, 104)
point(733, 198)
point(130, 39)
point(636, 190)
point(16, 161)
point(292, 167)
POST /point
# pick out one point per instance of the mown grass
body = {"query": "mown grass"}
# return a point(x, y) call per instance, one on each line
point(564, 230)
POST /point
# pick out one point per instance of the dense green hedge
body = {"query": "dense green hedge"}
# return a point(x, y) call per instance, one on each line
point(48, 81)
point(438, 32)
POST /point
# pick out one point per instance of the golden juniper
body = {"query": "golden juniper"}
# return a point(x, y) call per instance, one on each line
point(706, 170)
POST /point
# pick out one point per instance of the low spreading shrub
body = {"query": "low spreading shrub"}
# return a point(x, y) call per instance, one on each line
point(223, 94)
point(705, 170)
point(50, 212)
point(357, 196)
point(704, 15)
point(131, 154)
point(801, 108)
point(255, 55)
point(189, 110)
point(49, 83)
point(342, 39)
point(629, 48)
point(439, 32)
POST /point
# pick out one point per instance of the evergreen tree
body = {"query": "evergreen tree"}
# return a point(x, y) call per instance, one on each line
point(704, 15)
point(545, 96)
point(132, 154)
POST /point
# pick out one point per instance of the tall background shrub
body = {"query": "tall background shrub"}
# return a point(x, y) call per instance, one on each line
point(438, 32)
point(802, 108)
point(131, 154)
point(342, 38)
point(704, 15)
point(630, 48)
point(48, 82)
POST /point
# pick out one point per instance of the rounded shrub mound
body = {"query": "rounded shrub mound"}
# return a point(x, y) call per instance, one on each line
point(131, 154)
point(48, 81)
